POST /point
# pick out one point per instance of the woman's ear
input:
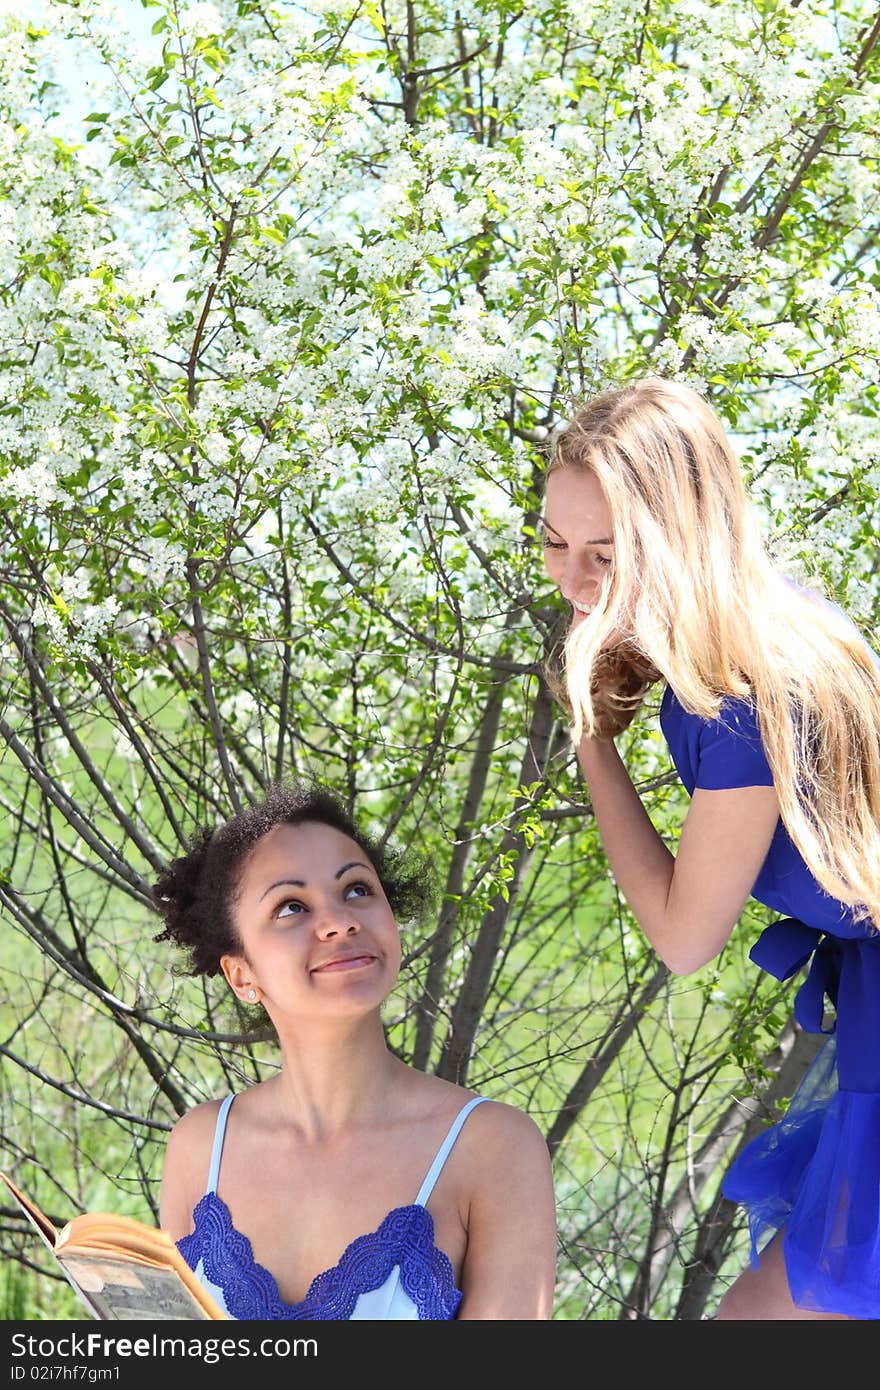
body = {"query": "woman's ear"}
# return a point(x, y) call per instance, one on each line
point(240, 978)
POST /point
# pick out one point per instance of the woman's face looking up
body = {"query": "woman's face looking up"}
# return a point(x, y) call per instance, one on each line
point(318, 935)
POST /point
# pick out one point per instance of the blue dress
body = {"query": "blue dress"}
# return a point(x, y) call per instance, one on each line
point(395, 1273)
point(815, 1174)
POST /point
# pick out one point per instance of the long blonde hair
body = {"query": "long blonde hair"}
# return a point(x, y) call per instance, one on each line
point(701, 602)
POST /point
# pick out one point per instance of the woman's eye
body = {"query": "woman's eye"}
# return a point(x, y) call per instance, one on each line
point(604, 559)
point(359, 888)
point(553, 545)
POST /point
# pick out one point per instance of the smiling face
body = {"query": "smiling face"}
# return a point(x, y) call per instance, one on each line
point(318, 936)
point(578, 538)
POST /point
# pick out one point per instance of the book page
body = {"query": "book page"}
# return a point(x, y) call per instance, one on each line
point(122, 1234)
point(121, 1291)
point(38, 1219)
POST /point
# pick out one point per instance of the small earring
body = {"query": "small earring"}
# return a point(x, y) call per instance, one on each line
point(252, 994)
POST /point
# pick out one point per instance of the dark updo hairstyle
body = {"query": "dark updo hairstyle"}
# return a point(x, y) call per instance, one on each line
point(195, 894)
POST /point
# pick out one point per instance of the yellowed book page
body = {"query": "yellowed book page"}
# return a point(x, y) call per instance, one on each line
point(123, 1233)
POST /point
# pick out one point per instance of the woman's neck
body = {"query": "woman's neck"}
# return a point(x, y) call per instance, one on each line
point(335, 1076)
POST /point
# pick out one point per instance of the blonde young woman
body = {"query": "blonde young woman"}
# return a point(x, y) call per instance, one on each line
point(771, 710)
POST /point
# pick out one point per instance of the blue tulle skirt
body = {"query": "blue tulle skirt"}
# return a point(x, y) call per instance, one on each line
point(816, 1176)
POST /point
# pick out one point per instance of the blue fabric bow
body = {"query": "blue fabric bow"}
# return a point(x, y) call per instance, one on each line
point(844, 969)
point(784, 947)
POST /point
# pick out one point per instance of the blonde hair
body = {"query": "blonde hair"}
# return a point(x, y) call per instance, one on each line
point(700, 600)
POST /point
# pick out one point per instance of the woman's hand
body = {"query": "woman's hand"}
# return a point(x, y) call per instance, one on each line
point(621, 678)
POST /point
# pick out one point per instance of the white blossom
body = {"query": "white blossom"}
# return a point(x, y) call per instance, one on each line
point(203, 20)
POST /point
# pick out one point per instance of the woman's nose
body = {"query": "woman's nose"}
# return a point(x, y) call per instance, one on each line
point(336, 923)
point(575, 580)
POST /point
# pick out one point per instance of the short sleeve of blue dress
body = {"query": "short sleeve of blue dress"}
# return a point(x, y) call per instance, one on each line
point(816, 1174)
point(716, 754)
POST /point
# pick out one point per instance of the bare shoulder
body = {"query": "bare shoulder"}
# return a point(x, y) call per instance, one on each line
point(499, 1129)
point(194, 1129)
point(501, 1148)
point(185, 1170)
point(492, 1130)
point(192, 1136)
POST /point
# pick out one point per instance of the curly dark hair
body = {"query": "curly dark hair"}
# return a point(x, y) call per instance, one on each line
point(195, 894)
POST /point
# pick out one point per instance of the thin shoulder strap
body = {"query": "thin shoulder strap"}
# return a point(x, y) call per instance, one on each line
point(427, 1186)
point(219, 1133)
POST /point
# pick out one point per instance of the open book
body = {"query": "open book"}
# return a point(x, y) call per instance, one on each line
point(120, 1268)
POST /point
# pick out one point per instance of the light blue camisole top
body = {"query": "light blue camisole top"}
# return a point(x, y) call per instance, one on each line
point(395, 1272)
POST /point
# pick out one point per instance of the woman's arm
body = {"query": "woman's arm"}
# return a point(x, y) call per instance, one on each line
point(686, 904)
point(509, 1270)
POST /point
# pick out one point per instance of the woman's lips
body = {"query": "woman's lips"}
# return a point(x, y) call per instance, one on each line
point(344, 963)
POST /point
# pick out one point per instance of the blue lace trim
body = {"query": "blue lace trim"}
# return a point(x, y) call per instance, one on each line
point(405, 1238)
